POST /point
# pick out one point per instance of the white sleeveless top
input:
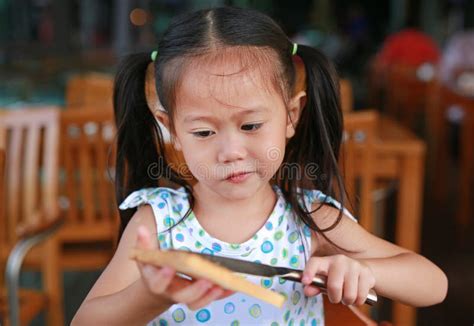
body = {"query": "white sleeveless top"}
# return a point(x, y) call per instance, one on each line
point(283, 241)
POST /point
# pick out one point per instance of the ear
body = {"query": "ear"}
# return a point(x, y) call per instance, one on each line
point(297, 104)
point(163, 117)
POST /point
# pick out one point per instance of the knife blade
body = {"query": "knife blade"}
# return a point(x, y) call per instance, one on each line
point(252, 268)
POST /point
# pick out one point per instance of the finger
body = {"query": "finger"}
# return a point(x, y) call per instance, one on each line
point(363, 290)
point(311, 290)
point(350, 288)
point(334, 283)
point(211, 295)
point(314, 266)
point(192, 292)
point(144, 238)
point(158, 279)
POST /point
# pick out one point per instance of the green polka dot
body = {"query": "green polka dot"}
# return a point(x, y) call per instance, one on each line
point(278, 235)
point(291, 323)
point(286, 316)
point(161, 237)
point(273, 261)
point(234, 246)
point(293, 237)
point(255, 310)
point(280, 219)
point(275, 324)
point(198, 244)
point(201, 232)
point(235, 323)
point(179, 315)
point(284, 253)
point(281, 281)
point(255, 237)
point(295, 297)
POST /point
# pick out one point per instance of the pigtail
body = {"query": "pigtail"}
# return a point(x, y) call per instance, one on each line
point(139, 138)
point(320, 128)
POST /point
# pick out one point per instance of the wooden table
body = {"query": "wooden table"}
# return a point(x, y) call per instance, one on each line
point(400, 156)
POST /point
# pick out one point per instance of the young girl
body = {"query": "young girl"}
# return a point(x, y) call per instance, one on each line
point(263, 168)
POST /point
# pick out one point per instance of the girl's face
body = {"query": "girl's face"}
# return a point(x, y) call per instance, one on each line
point(232, 128)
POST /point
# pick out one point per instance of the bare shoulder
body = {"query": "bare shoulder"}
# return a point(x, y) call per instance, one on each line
point(121, 270)
point(347, 234)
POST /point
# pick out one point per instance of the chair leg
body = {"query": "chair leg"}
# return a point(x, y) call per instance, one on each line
point(53, 284)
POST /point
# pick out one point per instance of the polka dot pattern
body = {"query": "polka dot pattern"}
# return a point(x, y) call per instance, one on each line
point(281, 241)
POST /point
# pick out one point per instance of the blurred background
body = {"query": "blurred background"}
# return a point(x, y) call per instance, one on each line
point(410, 63)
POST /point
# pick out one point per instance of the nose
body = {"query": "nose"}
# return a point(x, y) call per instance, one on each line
point(232, 148)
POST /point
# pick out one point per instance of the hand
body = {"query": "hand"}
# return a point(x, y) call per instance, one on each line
point(348, 280)
point(165, 284)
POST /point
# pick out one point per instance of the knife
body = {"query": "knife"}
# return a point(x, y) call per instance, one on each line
point(295, 275)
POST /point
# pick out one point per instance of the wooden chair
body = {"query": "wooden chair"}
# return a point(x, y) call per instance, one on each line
point(341, 315)
point(442, 99)
point(87, 198)
point(347, 96)
point(29, 213)
point(358, 146)
point(89, 89)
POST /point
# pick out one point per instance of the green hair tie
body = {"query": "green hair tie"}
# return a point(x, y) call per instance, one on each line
point(153, 55)
point(295, 48)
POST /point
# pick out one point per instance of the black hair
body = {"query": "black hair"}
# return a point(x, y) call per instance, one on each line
point(252, 36)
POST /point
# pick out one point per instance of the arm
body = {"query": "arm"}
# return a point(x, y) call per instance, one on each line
point(400, 274)
point(128, 293)
point(120, 297)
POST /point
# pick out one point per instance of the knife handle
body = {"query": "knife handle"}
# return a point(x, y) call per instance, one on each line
point(320, 282)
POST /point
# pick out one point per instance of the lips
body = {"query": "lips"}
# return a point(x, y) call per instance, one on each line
point(237, 174)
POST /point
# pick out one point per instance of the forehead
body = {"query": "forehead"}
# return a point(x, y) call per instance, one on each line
point(226, 85)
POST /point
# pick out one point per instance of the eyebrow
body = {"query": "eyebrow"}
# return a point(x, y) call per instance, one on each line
point(192, 118)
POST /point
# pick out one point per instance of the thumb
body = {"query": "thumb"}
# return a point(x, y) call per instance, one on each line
point(143, 238)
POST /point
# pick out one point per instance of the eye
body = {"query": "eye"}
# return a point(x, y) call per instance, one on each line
point(203, 133)
point(251, 126)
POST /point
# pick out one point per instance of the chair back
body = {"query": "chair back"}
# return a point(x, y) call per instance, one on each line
point(30, 163)
point(358, 162)
point(87, 160)
point(347, 96)
point(89, 89)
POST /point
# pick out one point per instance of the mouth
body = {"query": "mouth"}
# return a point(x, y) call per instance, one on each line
point(238, 176)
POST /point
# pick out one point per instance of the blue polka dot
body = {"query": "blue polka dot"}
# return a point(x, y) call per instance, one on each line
point(267, 247)
point(161, 205)
point(184, 248)
point(294, 262)
point(180, 237)
point(207, 251)
point(163, 322)
point(168, 221)
point(229, 308)
point(266, 283)
point(269, 226)
point(203, 315)
point(258, 261)
point(301, 248)
point(307, 231)
point(164, 195)
point(314, 323)
point(216, 247)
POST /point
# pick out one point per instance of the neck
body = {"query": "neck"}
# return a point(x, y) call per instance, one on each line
point(233, 221)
